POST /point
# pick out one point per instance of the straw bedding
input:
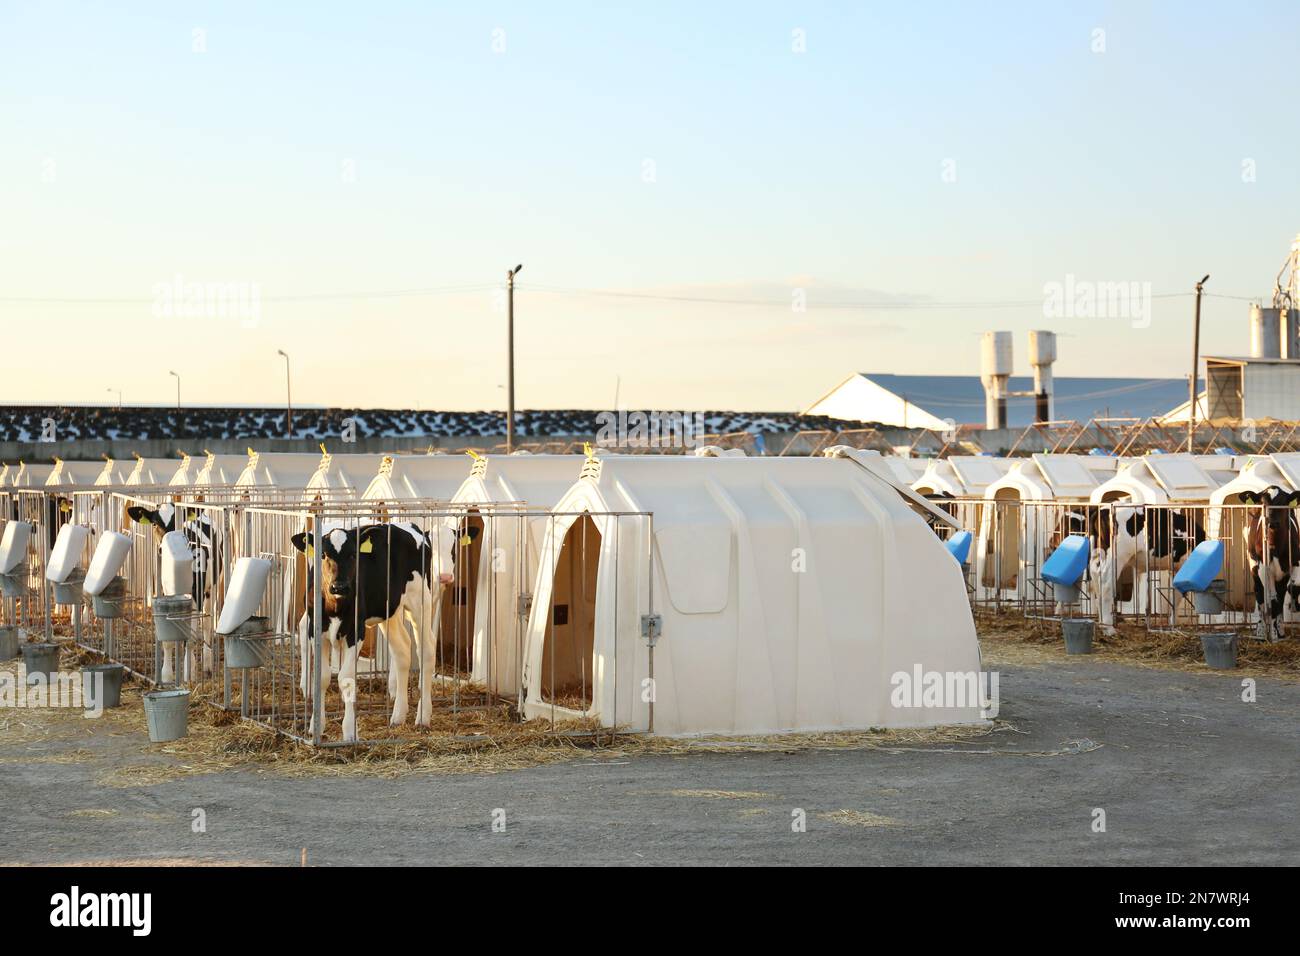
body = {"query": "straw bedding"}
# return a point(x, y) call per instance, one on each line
point(488, 740)
point(1012, 638)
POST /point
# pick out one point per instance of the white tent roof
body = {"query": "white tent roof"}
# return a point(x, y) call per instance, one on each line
point(221, 469)
point(791, 592)
point(1069, 476)
point(74, 473)
point(417, 476)
point(354, 472)
point(859, 399)
point(152, 471)
point(1259, 473)
point(536, 480)
point(940, 477)
point(278, 470)
point(1179, 413)
point(977, 472)
point(187, 471)
point(30, 475)
point(1023, 480)
point(1156, 478)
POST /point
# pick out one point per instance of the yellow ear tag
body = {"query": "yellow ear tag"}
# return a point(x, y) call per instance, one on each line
point(466, 540)
point(145, 521)
point(367, 546)
point(310, 551)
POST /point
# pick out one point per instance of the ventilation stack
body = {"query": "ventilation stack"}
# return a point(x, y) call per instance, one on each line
point(995, 371)
point(1042, 353)
point(1275, 331)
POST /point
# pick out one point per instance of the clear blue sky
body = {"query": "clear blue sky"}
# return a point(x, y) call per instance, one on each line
point(332, 148)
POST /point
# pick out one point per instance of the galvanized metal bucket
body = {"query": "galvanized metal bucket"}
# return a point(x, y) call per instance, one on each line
point(169, 613)
point(109, 603)
point(70, 591)
point(1078, 632)
point(11, 635)
point(41, 659)
point(1220, 651)
point(249, 645)
point(168, 713)
point(101, 685)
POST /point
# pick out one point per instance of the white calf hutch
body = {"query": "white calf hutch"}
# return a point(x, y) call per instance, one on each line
point(502, 562)
point(730, 595)
point(415, 477)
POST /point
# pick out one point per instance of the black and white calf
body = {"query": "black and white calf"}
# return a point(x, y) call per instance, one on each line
point(1273, 550)
point(199, 535)
point(386, 574)
point(1118, 534)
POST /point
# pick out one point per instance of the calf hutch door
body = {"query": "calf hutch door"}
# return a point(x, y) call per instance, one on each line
point(460, 598)
point(567, 651)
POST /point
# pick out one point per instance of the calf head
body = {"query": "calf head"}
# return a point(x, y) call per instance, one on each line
point(1276, 528)
point(161, 518)
point(341, 551)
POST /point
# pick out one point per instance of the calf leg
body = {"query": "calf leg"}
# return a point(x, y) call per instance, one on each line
point(348, 691)
point(1102, 588)
point(399, 666)
point(427, 641)
point(304, 657)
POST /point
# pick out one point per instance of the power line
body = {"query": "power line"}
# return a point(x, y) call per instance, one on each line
point(876, 305)
point(301, 297)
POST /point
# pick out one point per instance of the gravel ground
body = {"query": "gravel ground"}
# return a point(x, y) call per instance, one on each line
point(1185, 771)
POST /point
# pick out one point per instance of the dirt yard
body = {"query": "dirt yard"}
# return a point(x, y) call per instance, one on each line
point(1184, 768)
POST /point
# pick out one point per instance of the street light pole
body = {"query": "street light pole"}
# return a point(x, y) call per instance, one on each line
point(178, 390)
point(1191, 384)
point(288, 396)
point(119, 395)
point(510, 350)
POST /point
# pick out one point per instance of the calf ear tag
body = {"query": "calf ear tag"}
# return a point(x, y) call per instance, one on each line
point(466, 540)
point(145, 521)
point(311, 551)
point(367, 546)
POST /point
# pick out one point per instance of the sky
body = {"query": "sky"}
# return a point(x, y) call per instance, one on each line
point(725, 205)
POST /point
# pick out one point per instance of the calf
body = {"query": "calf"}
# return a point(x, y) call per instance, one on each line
point(1119, 533)
point(199, 533)
point(374, 575)
point(1273, 552)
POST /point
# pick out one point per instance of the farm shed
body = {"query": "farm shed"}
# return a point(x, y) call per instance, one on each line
point(405, 477)
point(789, 592)
point(484, 617)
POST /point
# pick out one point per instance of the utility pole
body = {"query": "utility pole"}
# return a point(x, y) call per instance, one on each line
point(288, 396)
point(178, 389)
point(1191, 384)
point(510, 350)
